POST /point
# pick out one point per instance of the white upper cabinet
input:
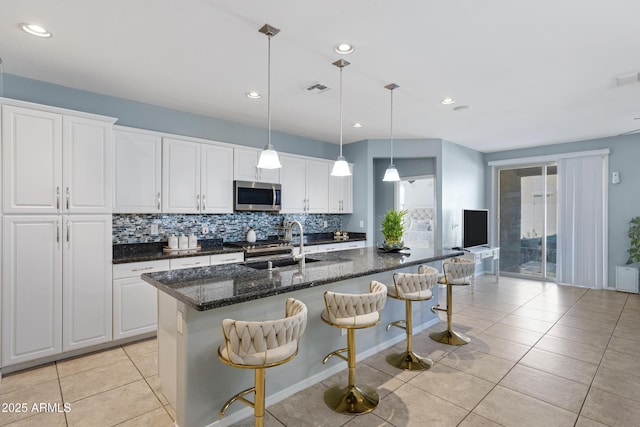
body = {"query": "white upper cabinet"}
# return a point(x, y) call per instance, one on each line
point(196, 177)
point(305, 185)
point(54, 163)
point(216, 179)
point(341, 193)
point(32, 161)
point(245, 167)
point(138, 171)
point(317, 183)
point(86, 165)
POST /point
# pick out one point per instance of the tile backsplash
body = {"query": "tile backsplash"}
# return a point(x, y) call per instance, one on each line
point(140, 228)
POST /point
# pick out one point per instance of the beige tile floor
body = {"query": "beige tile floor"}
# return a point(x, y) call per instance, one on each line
point(540, 354)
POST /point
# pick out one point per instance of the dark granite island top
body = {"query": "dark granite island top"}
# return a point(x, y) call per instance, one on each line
point(206, 288)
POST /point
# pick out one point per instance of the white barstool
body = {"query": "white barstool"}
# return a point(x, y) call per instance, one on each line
point(457, 272)
point(408, 288)
point(261, 345)
point(351, 312)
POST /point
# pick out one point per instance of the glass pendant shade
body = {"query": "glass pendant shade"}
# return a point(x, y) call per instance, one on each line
point(391, 174)
point(341, 167)
point(269, 158)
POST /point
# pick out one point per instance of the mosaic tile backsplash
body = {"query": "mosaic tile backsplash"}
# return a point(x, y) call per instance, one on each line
point(137, 228)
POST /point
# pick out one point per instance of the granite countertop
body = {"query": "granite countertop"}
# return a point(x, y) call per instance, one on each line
point(139, 252)
point(206, 288)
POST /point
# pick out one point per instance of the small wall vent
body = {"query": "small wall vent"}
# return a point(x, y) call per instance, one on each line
point(627, 79)
point(317, 88)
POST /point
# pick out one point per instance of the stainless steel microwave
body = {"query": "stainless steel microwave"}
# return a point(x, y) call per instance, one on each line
point(256, 196)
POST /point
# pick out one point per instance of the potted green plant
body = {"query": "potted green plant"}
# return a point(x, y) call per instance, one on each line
point(634, 235)
point(393, 229)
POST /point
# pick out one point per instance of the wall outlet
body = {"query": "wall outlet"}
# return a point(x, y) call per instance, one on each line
point(179, 321)
point(325, 224)
point(361, 224)
point(154, 229)
point(205, 229)
point(343, 332)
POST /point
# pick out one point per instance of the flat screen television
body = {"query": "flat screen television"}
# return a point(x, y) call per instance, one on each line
point(475, 227)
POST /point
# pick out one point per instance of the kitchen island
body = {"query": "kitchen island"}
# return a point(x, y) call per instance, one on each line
point(193, 302)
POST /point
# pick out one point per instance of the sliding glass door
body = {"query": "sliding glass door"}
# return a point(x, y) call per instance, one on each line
point(527, 220)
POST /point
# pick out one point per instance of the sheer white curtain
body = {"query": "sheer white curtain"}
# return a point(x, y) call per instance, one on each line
point(582, 221)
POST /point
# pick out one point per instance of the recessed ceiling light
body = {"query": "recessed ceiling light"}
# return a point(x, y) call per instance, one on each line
point(357, 125)
point(36, 30)
point(254, 95)
point(447, 101)
point(344, 48)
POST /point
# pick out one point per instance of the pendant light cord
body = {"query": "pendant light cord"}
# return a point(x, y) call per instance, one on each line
point(341, 111)
point(269, 92)
point(391, 127)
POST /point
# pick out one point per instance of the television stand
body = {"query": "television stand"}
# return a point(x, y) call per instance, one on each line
point(481, 253)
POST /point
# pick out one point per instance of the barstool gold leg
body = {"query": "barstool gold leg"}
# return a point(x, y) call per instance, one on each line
point(258, 407)
point(449, 336)
point(408, 360)
point(352, 399)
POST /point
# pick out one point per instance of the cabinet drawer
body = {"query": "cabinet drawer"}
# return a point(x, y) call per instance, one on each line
point(227, 258)
point(329, 248)
point(189, 262)
point(352, 245)
point(135, 269)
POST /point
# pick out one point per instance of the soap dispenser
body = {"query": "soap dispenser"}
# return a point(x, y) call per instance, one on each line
point(251, 235)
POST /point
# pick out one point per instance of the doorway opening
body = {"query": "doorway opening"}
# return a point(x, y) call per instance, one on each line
point(417, 196)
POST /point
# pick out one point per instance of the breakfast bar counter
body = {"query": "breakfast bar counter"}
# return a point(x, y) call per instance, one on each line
point(193, 302)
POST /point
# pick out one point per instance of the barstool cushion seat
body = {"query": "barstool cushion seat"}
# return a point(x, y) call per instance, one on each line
point(355, 310)
point(413, 296)
point(264, 343)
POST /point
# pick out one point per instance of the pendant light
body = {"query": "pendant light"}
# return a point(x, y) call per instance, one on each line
point(391, 174)
point(341, 167)
point(269, 157)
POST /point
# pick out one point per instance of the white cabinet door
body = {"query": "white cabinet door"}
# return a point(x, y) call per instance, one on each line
point(245, 167)
point(135, 307)
point(180, 176)
point(317, 186)
point(86, 165)
point(31, 288)
point(341, 193)
point(138, 176)
point(32, 160)
point(294, 198)
point(87, 285)
point(216, 185)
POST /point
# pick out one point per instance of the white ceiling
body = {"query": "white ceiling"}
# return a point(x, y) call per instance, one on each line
point(532, 72)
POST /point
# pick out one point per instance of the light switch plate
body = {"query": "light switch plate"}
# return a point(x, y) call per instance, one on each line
point(615, 177)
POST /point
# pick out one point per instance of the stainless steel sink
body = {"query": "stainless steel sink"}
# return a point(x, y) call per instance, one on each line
point(286, 262)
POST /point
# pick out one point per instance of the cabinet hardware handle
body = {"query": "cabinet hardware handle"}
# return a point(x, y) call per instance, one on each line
point(58, 198)
point(142, 269)
point(57, 231)
point(204, 202)
point(68, 230)
point(194, 263)
point(158, 200)
point(68, 195)
point(198, 201)
point(273, 188)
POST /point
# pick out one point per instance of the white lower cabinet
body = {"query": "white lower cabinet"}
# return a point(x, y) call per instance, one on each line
point(135, 302)
point(341, 246)
point(56, 284)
